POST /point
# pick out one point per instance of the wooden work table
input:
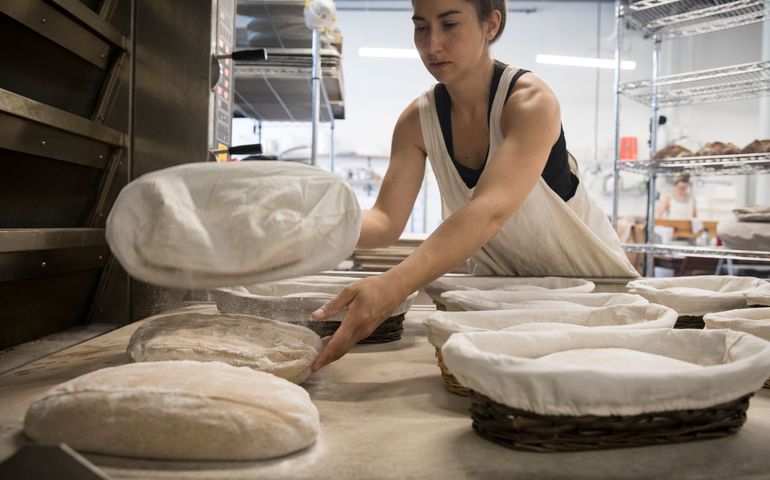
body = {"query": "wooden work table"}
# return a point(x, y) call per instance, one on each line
point(385, 414)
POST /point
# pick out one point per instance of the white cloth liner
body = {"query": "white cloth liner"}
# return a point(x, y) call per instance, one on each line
point(699, 295)
point(757, 213)
point(289, 300)
point(449, 283)
point(760, 295)
point(755, 321)
point(741, 235)
point(546, 235)
point(464, 300)
point(506, 367)
point(441, 325)
point(208, 225)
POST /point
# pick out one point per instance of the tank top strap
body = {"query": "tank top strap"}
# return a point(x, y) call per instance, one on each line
point(510, 76)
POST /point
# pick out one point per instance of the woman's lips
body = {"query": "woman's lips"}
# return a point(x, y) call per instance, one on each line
point(439, 65)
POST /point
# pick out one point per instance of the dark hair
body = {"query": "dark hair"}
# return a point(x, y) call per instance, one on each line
point(484, 9)
point(681, 177)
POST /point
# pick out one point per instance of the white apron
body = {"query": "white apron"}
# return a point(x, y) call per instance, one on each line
point(681, 210)
point(545, 236)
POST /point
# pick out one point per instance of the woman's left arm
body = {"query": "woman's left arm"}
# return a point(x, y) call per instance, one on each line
point(531, 126)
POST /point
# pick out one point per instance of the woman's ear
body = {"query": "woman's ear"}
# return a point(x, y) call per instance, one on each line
point(493, 24)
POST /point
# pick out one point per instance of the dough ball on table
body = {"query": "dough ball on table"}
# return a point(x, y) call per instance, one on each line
point(209, 225)
point(176, 411)
point(285, 350)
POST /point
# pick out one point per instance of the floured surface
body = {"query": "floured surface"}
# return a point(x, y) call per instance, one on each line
point(621, 359)
point(176, 411)
point(285, 350)
point(385, 415)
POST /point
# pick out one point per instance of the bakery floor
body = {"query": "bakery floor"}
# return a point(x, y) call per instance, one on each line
point(385, 414)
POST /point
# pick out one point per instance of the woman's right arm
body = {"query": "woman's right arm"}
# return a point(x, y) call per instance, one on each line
point(663, 206)
point(383, 224)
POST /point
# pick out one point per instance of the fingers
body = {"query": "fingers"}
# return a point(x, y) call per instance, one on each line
point(342, 341)
point(333, 306)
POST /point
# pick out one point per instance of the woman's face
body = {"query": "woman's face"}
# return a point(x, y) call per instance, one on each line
point(681, 188)
point(449, 37)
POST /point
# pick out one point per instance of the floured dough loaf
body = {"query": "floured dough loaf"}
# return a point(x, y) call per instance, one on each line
point(176, 411)
point(672, 151)
point(285, 350)
point(618, 359)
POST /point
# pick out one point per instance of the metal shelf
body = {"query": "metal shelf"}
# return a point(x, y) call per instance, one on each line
point(743, 164)
point(279, 90)
point(703, 252)
point(736, 82)
point(683, 18)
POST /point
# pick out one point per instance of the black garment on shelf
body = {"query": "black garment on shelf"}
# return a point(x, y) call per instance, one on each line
point(556, 173)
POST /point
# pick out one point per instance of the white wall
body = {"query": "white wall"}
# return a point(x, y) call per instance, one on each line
point(377, 90)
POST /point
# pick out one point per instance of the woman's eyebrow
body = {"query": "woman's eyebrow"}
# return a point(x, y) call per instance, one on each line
point(440, 15)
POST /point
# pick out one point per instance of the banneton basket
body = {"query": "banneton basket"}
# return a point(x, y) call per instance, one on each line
point(448, 283)
point(693, 297)
point(760, 296)
point(590, 389)
point(471, 300)
point(441, 325)
point(755, 321)
point(293, 301)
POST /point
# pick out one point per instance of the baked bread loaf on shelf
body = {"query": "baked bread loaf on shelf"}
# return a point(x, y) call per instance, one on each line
point(672, 151)
point(718, 148)
point(757, 146)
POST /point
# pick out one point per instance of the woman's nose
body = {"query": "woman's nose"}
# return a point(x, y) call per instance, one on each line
point(435, 41)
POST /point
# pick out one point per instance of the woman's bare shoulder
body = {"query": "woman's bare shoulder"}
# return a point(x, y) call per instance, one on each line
point(532, 100)
point(532, 92)
point(408, 128)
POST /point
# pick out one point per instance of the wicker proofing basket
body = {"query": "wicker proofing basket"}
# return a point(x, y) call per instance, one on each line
point(450, 382)
point(521, 430)
point(389, 331)
point(690, 321)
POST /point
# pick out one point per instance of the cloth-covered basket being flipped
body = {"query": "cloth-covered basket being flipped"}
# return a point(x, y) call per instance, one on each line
point(294, 300)
point(592, 389)
point(441, 325)
point(209, 225)
point(448, 283)
point(694, 297)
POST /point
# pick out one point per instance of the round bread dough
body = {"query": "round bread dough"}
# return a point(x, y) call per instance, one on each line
point(176, 411)
point(622, 359)
point(270, 346)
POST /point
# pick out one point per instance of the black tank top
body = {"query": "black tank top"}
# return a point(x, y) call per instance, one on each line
point(556, 173)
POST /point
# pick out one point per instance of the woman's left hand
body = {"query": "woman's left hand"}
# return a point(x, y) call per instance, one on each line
point(369, 302)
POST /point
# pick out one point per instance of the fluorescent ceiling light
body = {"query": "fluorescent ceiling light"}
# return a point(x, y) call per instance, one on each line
point(584, 62)
point(388, 52)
